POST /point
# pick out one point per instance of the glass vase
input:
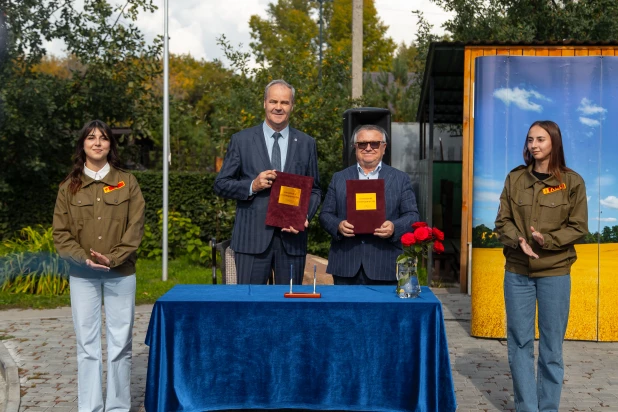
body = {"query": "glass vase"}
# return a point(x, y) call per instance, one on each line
point(407, 278)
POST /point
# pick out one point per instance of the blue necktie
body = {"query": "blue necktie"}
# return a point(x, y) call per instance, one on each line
point(276, 156)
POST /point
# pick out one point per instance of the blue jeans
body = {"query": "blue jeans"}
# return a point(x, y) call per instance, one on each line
point(521, 296)
point(118, 294)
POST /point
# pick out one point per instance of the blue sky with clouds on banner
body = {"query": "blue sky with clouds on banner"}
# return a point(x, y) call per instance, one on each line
point(576, 92)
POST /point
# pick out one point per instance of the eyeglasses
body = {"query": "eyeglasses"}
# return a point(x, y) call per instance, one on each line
point(363, 145)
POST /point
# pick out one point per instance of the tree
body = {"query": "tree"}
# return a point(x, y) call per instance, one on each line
point(528, 20)
point(288, 32)
point(393, 89)
point(291, 32)
point(196, 86)
point(606, 235)
point(378, 49)
point(196, 81)
point(111, 80)
point(406, 57)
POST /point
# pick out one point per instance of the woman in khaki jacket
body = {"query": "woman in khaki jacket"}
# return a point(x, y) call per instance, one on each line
point(98, 225)
point(543, 212)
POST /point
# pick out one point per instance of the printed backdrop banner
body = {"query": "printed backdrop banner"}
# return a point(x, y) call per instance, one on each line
point(511, 92)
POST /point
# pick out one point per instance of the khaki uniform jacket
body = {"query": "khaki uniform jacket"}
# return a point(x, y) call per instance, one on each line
point(559, 210)
point(107, 216)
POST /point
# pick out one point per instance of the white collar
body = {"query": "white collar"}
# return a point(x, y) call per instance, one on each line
point(97, 175)
point(371, 173)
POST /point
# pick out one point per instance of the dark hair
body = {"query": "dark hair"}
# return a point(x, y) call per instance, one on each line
point(79, 158)
point(557, 163)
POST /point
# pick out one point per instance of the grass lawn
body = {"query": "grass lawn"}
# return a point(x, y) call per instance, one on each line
point(149, 285)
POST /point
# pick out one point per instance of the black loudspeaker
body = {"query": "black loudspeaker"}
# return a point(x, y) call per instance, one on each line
point(353, 119)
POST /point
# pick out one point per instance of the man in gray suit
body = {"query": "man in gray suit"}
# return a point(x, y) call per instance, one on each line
point(368, 259)
point(250, 166)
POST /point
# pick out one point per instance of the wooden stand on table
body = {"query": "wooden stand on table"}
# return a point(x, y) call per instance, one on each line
point(302, 295)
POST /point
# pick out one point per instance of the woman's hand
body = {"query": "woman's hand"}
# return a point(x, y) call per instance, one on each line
point(96, 266)
point(101, 259)
point(526, 248)
point(538, 236)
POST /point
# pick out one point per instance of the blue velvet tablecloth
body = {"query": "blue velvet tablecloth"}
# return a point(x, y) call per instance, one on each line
point(246, 346)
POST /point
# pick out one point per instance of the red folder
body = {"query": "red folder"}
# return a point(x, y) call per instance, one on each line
point(366, 208)
point(289, 201)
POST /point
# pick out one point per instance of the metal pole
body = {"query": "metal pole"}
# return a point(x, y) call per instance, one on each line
point(213, 246)
point(166, 137)
point(357, 49)
point(430, 176)
point(469, 271)
point(320, 64)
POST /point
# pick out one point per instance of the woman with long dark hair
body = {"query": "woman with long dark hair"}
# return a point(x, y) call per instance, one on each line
point(543, 212)
point(98, 226)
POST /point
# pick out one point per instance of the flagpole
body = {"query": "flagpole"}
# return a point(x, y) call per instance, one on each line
point(166, 136)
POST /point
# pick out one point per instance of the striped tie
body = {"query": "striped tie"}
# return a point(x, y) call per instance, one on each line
point(276, 156)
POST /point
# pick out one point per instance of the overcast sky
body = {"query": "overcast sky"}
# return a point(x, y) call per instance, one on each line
point(194, 25)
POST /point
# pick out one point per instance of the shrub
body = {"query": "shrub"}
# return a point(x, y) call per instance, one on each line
point(183, 240)
point(30, 264)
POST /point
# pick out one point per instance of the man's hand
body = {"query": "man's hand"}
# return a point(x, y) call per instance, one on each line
point(292, 230)
point(346, 229)
point(526, 248)
point(538, 236)
point(263, 181)
point(386, 230)
point(96, 266)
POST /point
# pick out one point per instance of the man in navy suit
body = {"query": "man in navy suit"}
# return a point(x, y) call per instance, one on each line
point(250, 166)
point(368, 259)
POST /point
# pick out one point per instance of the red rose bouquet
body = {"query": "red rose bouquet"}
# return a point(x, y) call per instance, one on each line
point(416, 245)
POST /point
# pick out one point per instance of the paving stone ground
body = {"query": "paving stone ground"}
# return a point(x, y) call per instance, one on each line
point(43, 346)
point(2, 392)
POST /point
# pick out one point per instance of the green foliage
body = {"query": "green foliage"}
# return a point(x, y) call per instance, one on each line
point(111, 79)
point(482, 236)
point(179, 272)
point(30, 264)
point(195, 87)
point(394, 88)
point(32, 205)
point(191, 195)
point(377, 47)
point(183, 240)
point(149, 286)
point(290, 32)
point(525, 20)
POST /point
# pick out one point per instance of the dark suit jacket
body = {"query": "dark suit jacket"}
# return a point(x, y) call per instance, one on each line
point(378, 256)
point(247, 157)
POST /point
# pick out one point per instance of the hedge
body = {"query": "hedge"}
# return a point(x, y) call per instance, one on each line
point(191, 194)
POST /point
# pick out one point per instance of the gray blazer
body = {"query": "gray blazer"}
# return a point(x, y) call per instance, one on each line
point(247, 157)
point(378, 256)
